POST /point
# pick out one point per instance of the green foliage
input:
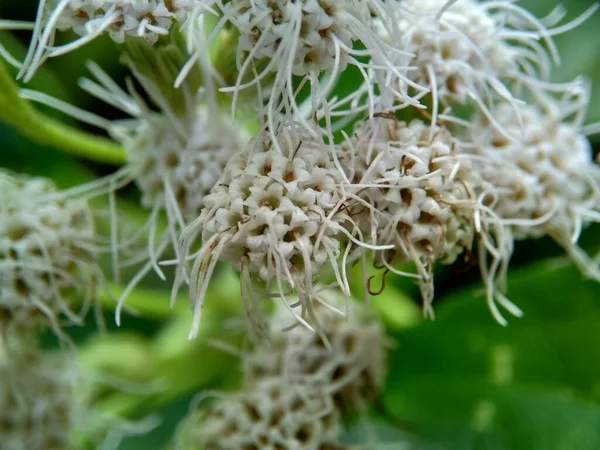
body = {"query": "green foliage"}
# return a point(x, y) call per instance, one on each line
point(468, 383)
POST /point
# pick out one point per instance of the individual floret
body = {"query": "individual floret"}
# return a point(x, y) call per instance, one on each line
point(275, 414)
point(46, 254)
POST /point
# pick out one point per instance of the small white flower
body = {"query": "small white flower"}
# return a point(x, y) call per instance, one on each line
point(38, 403)
point(273, 216)
point(313, 39)
point(347, 356)
point(175, 155)
point(547, 182)
point(416, 193)
point(311, 29)
point(470, 51)
point(47, 240)
point(175, 171)
point(419, 196)
point(121, 19)
point(274, 414)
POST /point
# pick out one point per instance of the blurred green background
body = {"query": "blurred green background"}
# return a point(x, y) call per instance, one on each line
point(459, 382)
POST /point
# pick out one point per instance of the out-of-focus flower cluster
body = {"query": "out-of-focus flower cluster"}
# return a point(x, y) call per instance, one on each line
point(248, 148)
point(297, 390)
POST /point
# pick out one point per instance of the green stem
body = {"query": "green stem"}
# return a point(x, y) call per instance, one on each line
point(47, 131)
point(150, 303)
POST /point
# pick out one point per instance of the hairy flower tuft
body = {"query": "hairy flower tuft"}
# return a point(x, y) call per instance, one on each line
point(46, 259)
point(273, 216)
point(546, 180)
point(418, 196)
point(347, 357)
point(120, 19)
point(275, 414)
point(176, 170)
point(37, 401)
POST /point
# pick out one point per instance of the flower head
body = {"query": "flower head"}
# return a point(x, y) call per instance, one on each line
point(175, 155)
point(312, 39)
point(274, 414)
point(273, 216)
point(347, 357)
point(312, 30)
point(472, 52)
point(37, 401)
point(120, 19)
point(546, 180)
point(46, 260)
point(417, 194)
point(175, 171)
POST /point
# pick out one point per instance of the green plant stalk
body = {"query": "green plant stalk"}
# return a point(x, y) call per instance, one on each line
point(47, 131)
point(149, 303)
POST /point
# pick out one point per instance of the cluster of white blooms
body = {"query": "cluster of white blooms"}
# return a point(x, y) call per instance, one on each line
point(401, 133)
point(121, 19)
point(347, 357)
point(495, 155)
point(181, 168)
point(457, 50)
point(37, 400)
point(299, 387)
point(273, 215)
point(312, 32)
point(468, 49)
point(546, 180)
point(421, 194)
point(275, 414)
point(46, 253)
point(146, 19)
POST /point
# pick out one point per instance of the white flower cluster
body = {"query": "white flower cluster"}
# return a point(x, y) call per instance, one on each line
point(458, 50)
point(311, 32)
point(120, 19)
point(298, 388)
point(347, 357)
point(274, 415)
point(495, 153)
point(547, 182)
point(181, 168)
point(420, 194)
point(273, 215)
point(37, 401)
point(146, 19)
point(46, 253)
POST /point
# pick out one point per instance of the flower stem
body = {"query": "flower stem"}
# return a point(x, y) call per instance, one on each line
point(149, 303)
point(47, 131)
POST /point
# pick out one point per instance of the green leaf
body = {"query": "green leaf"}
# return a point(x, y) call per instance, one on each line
point(469, 383)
